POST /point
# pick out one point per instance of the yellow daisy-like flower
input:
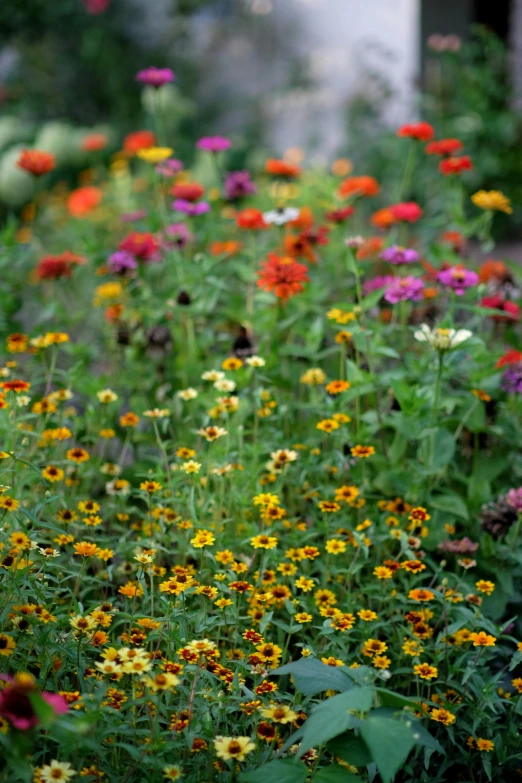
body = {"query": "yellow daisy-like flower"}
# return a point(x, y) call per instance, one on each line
point(233, 747)
point(493, 200)
point(155, 154)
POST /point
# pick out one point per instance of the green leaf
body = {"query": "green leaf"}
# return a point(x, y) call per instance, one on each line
point(351, 749)
point(451, 504)
point(389, 742)
point(435, 452)
point(282, 770)
point(334, 716)
point(312, 676)
point(43, 710)
point(391, 699)
point(335, 774)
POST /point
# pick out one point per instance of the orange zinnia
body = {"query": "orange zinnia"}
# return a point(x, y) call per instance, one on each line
point(82, 201)
point(36, 162)
point(282, 168)
point(359, 186)
point(138, 140)
point(283, 276)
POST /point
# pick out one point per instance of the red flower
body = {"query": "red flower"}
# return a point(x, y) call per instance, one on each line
point(96, 6)
point(16, 705)
point(450, 166)
point(144, 245)
point(54, 267)
point(189, 191)
point(138, 140)
point(510, 357)
point(283, 276)
point(82, 201)
point(339, 215)
point(497, 302)
point(359, 186)
point(455, 239)
point(94, 142)
point(36, 162)
point(282, 168)
point(408, 211)
point(444, 147)
point(251, 219)
point(421, 131)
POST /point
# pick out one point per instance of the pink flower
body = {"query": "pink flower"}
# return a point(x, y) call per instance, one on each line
point(16, 705)
point(514, 498)
point(155, 77)
point(407, 211)
point(213, 143)
point(96, 6)
point(458, 278)
point(403, 288)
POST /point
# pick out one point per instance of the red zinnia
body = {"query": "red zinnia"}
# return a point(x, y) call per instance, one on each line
point(408, 211)
point(54, 267)
point(497, 302)
point(36, 162)
point(283, 276)
point(82, 201)
point(144, 245)
point(189, 191)
point(251, 219)
point(421, 131)
point(510, 357)
point(444, 147)
point(138, 140)
point(359, 186)
point(94, 142)
point(16, 385)
point(282, 168)
point(339, 215)
point(452, 165)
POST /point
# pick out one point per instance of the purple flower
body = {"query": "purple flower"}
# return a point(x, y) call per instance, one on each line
point(189, 208)
point(514, 498)
point(400, 255)
point(133, 217)
point(169, 167)
point(155, 77)
point(463, 547)
point(178, 234)
point(381, 281)
point(403, 288)
point(238, 184)
point(121, 261)
point(458, 278)
point(213, 143)
point(512, 379)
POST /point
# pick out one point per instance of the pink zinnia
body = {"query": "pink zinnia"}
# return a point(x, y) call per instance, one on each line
point(16, 705)
point(155, 77)
point(458, 278)
point(408, 211)
point(403, 288)
point(213, 143)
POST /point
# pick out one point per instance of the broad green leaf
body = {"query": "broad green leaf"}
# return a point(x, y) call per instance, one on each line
point(312, 676)
point(451, 504)
point(390, 742)
point(334, 716)
point(280, 770)
point(335, 774)
point(351, 749)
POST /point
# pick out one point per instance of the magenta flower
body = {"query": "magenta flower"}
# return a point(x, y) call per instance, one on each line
point(213, 143)
point(458, 278)
point(381, 281)
point(16, 705)
point(122, 261)
point(178, 235)
point(155, 77)
point(238, 185)
point(400, 255)
point(189, 208)
point(169, 167)
point(403, 288)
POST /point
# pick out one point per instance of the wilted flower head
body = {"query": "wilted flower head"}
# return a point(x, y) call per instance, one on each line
point(458, 278)
point(400, 255)
point(442, 339)
point(462, 547)
point(155, 77)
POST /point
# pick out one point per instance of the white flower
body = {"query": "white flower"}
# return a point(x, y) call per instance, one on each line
point(255, 361)
point(281, 216)
point(442, 339)
point(23, 400)
point(213, 375)
point(225, 385)
point(56, 772)
point(354, 242)
point(187, 394)
point(106, 396)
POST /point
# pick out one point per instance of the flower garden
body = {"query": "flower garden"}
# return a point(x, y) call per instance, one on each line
point(260, 472)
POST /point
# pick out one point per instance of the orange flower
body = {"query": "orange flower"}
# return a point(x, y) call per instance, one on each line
point(138, 140)
point(282, 168)
point(94, 142)
point(421, 131)
point(493, 270)
point(251, 219)
point(304, 220)
point(283, 276)
point(55, 267)
point(189, 191)
point(83, 201)
point(15, 385)
point(370, 247)
point(383, 218)
point(36, 162)
point(359, 186)
point(228, 248)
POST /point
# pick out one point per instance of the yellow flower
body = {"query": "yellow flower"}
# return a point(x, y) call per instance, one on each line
point(191, 466)
point(7, 644)
point(304, 584)
point(155, 154)
point(425, 671)
point(335, 546)
point(493, 200)
point(442, 716)
point(233, 747)
point(313, 377)
point(482, 639)
point(106, 396)
point(263, 542)
point(484, 744)
point(279, 713)
point(202, 538)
